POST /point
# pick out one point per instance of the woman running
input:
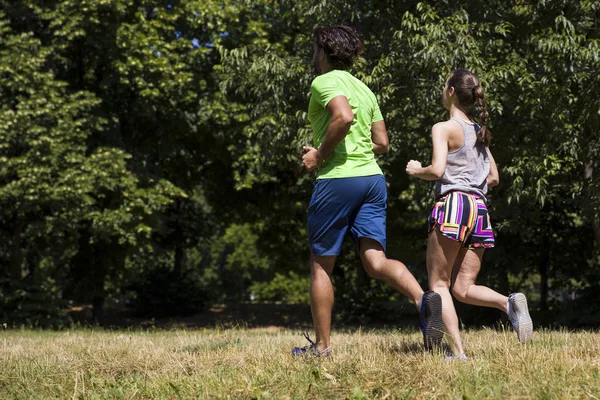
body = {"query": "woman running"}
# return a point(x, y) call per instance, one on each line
point(459, 225)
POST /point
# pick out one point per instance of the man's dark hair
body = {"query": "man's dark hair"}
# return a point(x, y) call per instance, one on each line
point(342, 45)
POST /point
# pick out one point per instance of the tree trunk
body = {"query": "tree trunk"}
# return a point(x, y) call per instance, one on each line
point(178, 259)
point(98, 309)
point(16, 256)
point(102, 257)
point(597, 232)
point(588, 176)
point(178, 239)
point(544, 279)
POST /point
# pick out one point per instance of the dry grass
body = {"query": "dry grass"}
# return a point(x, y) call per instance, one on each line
point(87, 364)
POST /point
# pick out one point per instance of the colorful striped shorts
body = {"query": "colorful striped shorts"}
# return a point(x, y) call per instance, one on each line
point(464, 218)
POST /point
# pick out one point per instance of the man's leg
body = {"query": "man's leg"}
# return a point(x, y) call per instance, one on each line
point(392, 272)
point(321, 298)
point(330, 205)
point(368, 230)
point(399, 277)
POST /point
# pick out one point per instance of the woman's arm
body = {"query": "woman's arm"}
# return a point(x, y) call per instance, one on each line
point(493, 178)
point(435, 171)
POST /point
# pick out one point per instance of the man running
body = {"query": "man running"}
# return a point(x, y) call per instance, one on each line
point(350, 193)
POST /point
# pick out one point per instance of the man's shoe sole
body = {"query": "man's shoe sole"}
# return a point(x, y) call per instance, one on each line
point(434, 327)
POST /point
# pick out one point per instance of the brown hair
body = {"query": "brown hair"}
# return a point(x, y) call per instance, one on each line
point(342, 44)
point(470, 93)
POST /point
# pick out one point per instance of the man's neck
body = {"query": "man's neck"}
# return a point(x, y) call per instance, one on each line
point(326, 68)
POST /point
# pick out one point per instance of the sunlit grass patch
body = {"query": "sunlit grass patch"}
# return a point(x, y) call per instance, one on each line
point(241, 363)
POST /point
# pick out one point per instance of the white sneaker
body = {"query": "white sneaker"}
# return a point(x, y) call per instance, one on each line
point(518, 315)
point(452, 357)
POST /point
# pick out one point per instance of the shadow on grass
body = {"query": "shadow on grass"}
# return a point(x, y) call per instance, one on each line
point(406, 348)
point(416, 349)
point(250, 316)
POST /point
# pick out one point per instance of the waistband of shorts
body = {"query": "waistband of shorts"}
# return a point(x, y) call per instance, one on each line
point(443, 196)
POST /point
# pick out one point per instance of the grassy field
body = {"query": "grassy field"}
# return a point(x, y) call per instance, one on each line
point(248, 364)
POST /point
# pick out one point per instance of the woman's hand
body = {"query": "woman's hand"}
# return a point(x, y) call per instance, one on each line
point(413, 167)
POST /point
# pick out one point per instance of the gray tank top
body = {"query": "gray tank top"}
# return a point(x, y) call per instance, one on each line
point(468, 167)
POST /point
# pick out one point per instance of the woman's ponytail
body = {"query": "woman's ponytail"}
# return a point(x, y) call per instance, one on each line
point(484, 136)
point(470, 93)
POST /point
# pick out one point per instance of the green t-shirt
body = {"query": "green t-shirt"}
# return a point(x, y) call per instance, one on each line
point(354, 155)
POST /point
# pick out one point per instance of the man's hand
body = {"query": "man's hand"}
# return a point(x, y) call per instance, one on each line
point(413, 167)
point(311, 158)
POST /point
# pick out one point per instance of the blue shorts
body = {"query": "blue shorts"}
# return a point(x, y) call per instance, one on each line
point(355, 205)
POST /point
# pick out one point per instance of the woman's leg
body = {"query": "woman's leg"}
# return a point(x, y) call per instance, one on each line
point(468, 265)
point(465, 290)
point(441, 255)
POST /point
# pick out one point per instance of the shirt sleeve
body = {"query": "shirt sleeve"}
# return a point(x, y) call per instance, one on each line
point(323, 90)
point(377, 116)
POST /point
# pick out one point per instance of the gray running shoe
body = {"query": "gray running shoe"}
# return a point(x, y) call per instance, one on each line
point(452, 357)
point(518, 315)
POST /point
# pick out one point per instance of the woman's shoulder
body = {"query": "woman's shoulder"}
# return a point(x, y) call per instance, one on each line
point(448, 124)
point(449, 127)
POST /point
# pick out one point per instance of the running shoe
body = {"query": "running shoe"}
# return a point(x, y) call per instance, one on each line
point(311, 349)
point(452, 357)
point(518, 315)
point(432, 325)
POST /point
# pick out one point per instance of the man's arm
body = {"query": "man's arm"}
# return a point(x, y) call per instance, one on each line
point(437, 168)
point(493, 178)
point(339, 125)
point(379, 137)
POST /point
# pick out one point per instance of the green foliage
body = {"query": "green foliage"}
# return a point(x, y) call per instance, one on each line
point(539, 66)
point(139, 137)
point(33, 304)
point(56, 189)
point(291, 289)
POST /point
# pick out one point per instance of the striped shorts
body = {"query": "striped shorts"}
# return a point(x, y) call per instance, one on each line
point(464, 218)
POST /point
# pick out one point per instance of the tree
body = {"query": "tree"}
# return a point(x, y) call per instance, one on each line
point(55, 190)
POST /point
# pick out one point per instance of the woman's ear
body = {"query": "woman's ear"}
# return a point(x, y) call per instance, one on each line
point(450, 91)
